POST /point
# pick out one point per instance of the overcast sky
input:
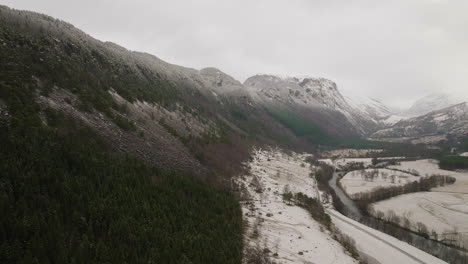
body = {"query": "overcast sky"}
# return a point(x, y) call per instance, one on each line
point(396, 51)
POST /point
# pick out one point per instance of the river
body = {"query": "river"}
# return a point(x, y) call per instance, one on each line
point(431, 246)
point(350, 206)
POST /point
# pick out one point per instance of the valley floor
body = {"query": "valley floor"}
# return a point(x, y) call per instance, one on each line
point(286, 230)
point(443, 210)
point(361, 181)
point(288, 234)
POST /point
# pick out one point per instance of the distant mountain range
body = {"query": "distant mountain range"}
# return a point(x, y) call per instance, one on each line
point(432, 102)
point(429, 128)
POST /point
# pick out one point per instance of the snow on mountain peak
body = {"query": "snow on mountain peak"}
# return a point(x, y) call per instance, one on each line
point(432, 102)
point(303, 90)
point(308, 92)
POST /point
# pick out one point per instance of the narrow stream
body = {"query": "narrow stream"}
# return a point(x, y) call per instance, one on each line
point(351, 208)
point(432, 247)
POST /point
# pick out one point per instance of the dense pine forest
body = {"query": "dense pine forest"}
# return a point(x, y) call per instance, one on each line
point(453, 162)
point(65, 199)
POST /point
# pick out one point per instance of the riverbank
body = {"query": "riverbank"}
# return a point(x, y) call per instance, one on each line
point(431, 246)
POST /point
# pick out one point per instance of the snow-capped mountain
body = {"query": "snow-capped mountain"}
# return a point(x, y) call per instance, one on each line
point(428, 128)
point(313, 94)
point(221, 83)
point(431, 103)
point(371, 107)
point(307, 91)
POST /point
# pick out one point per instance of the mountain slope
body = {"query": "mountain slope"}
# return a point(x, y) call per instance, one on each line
point(316, 99)
point(432, 127)
point(370, 107)
point(176, 117)
point(431, 103)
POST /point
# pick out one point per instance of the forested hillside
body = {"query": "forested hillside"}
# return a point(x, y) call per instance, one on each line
point(176, 117)
point(65, 199)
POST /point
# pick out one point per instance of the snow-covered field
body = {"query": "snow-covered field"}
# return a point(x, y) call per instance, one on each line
point(290, 234)
point(429, 167)
point(439, 211)
point(361, 181)
point(443, 209)
point(288, 231)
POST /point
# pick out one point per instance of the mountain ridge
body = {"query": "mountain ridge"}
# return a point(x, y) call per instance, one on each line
point(431, 102)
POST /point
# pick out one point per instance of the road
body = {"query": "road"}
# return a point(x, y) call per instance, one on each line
point(380, 246)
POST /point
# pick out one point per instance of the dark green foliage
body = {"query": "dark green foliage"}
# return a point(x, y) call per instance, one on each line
point(43, 61)
point(239, 114)
point(168, 128)
point(287, 197)
point(65, 199)
point(323, 177)
point(463, 146)
point(409, 150)
point(314, 207)
point(314, 133)
point(123, 123)
point(301, 127)
point(453, 162)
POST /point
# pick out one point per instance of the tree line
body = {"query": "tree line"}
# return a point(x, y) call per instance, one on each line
point(453, 162)
point(364, 199)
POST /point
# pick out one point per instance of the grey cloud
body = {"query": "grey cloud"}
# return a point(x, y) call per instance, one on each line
point(396, 51)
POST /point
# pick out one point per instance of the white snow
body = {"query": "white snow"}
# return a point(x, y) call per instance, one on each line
point(288, 230)
point(393, 119)
point(371, 108)
point(283, 229)
point(383, 248)
point(443, 209)
point(355, 181)
point(431, 103)
point(429, 167)
point(439, 211)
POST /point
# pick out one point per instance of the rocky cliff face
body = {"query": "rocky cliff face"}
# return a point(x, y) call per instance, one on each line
point(315, 95)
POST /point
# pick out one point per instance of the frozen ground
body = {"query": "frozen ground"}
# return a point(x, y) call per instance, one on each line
point(429, 167)
point(287, 231)
point(439, 211)
point(361, 181)
point(291, 233)
point(443, 209)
